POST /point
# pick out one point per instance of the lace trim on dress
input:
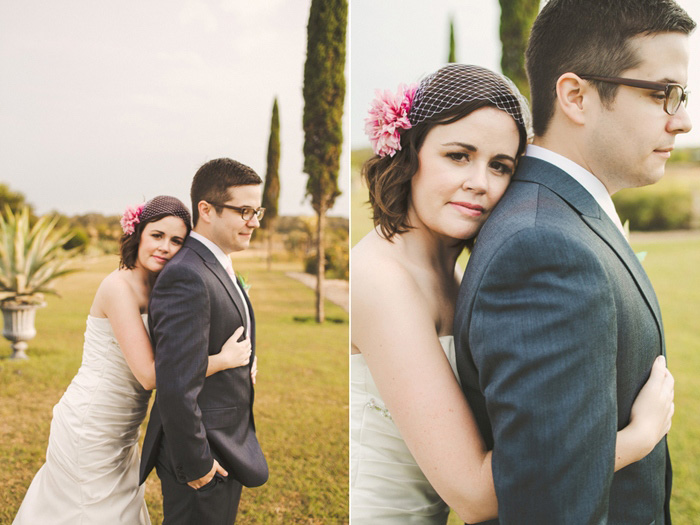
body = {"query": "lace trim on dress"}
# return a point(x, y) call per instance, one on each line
point(379, 408)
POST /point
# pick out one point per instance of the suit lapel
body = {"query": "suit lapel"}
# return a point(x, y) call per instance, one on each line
point(252, 315)
point(213, 264)
point(561, 183)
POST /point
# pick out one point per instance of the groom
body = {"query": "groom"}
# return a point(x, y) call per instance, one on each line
point(557, 324)
point(201, 434)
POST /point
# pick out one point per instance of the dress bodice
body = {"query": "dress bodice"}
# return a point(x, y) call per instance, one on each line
point(105, 379)
point(387, 486)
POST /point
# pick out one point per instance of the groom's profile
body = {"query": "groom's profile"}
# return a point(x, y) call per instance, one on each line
point(557, 324)
point(201, 433)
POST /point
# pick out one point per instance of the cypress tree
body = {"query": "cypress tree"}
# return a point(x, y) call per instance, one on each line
point(452, 56)
point(324, 94)
point(271, 190)
point(517, 17)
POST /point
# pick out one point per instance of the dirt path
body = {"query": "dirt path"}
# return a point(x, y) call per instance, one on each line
point(337, 290)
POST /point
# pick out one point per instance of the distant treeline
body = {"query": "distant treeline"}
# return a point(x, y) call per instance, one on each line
point(95, 233)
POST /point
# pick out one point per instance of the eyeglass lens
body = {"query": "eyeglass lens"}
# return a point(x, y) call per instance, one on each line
point(674, 98)
point(247, 213)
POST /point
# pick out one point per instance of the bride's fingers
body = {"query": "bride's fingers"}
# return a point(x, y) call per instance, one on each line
point(238, 332)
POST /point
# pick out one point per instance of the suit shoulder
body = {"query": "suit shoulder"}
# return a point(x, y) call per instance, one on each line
point(184, 264)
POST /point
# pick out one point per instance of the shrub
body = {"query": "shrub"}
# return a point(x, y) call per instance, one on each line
point(654, 209)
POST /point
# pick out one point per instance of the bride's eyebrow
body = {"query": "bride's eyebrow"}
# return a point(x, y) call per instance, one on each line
point(464, 145)
point(503, 156)
point(472, 148)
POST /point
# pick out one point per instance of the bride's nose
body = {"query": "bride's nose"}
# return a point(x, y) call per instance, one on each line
point(476, 178)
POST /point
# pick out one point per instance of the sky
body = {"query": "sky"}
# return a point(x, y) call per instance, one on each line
point(401, 41)
point(107, 104)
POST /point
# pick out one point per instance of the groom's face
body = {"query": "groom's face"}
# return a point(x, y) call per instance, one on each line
point(229, 231)
point(632, 140)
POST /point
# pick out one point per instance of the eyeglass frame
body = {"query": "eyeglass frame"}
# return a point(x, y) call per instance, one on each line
point(258, 214)
point(646, 84)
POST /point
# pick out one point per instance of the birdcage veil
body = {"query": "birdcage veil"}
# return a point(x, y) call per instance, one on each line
point(455, 84)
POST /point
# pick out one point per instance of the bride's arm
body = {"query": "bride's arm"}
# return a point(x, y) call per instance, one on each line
point(395, 331)
point(120, 305)
point(650, 418)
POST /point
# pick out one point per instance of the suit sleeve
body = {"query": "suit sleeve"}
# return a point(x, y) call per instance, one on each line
point(543, 337)
point(180, 314)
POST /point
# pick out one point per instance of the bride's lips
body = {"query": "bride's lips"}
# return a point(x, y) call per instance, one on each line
point(467, 208)
point(160, 259)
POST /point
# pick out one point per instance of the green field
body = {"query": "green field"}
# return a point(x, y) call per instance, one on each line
point(301, 404)
point(672, 265)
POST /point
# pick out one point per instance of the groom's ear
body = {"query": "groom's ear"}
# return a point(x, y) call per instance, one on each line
point(205, 209)
point(573, 97)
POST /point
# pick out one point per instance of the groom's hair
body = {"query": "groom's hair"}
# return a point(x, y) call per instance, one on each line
point(212, 181)
point(591, 37)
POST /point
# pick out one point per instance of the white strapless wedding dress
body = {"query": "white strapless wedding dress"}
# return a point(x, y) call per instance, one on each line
point(91, 474)
point(386, 484)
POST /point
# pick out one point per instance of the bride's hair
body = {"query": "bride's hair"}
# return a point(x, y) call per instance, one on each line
point(154, 210)
point(448, 95)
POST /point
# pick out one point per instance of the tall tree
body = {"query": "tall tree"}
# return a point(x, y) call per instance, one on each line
point(516, 20)
point(271, 190)
point(324, 94)
point(452, 56)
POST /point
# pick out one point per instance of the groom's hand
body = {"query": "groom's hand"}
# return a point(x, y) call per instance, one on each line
point(199, 483)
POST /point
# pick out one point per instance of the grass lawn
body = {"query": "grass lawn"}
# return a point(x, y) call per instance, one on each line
point(301, 405)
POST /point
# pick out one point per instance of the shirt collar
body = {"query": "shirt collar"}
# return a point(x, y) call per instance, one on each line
point(585, 178)
point(224, 259)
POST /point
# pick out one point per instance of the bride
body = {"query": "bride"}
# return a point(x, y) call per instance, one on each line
point(415, 446)
point(91, 470)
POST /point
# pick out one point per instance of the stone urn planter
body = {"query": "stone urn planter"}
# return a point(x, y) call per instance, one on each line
point(33, 255)
point(18, 327)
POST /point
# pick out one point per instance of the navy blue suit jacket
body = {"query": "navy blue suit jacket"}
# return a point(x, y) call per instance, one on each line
point(556, 329)
point(194, 308)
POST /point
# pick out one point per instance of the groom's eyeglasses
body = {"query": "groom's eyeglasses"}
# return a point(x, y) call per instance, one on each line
point(675, 93)
point(246, 212)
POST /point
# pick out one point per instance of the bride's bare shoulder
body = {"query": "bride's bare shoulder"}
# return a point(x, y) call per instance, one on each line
point(375, 260)
point(376, 255)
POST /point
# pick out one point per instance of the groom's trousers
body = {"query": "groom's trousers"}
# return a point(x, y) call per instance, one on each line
point(216, 503)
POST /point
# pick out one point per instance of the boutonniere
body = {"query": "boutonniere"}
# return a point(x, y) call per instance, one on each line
point(640, 255)
point(243, 281)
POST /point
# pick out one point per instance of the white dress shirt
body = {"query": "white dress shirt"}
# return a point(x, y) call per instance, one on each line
point(585, 178)
point(225, 262)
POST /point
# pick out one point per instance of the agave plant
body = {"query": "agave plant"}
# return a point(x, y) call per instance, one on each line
point(31, 257)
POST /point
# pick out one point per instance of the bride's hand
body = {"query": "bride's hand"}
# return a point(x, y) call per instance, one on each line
point(254, 369)
point(653, 409)
point(236, 353)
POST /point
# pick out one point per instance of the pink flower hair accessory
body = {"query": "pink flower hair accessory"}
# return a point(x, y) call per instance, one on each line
point(130, 218)
point(388, 115)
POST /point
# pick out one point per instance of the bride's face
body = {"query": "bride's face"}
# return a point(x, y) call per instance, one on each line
point(464, 169)
point(160, 240)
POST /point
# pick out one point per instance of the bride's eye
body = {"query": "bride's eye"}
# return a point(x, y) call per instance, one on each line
point(458, 156)
point(501, 168)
